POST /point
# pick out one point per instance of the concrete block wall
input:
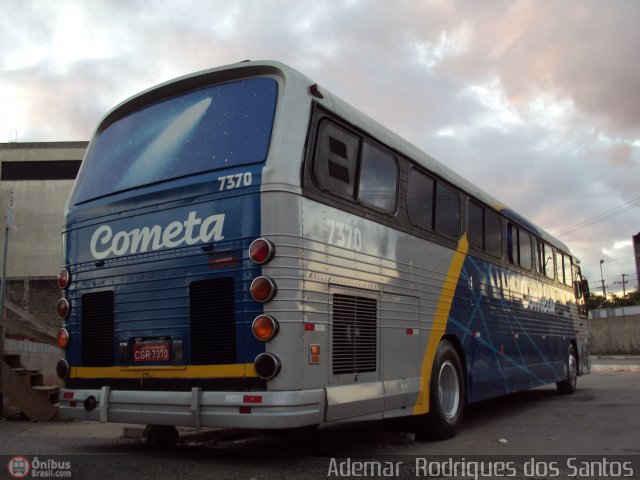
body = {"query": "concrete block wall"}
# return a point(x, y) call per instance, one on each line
point(37, 297)
point(615, 335)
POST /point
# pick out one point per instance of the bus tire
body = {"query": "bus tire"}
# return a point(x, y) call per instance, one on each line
point(446, 395)
point(568, 386)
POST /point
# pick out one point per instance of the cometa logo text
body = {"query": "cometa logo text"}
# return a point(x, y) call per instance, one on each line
point(193, 230)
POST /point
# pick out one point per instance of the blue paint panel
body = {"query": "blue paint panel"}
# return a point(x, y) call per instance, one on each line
point(151, 287)
point(150, 279)
point(514, 330)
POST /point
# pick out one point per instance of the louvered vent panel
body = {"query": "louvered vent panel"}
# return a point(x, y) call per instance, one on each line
point(97, 329)
point(354, 339)
point(212, 317)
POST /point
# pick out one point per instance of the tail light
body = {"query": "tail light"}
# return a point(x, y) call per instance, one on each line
point(267, 366)
point(64, 278)
point(261, 251)
point(263, 289)
point(63, 308)
point(63, 338)
point(265, 327)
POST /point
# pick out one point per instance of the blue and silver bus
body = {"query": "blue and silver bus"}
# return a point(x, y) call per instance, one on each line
point(244, 249)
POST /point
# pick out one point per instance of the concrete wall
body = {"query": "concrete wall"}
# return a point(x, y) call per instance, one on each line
point(37, 297)
point(615, 312)
point(615, 335)
point(35, 249)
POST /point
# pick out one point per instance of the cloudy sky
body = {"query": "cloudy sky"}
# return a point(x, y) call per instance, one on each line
point(537, 101)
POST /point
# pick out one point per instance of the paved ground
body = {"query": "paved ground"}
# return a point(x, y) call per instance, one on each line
point(616, 363)
point(600, 419)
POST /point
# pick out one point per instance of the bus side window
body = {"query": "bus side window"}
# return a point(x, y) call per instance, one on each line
point(378, 183)
point(525, 249)
point(560, 266)
point(420, 199)
point(540, 257)
point(550, 266)
point(484, 229)
point(447, 211)
point(493, 233)
point(335, 164)
point(546, 265)
point(475, 224)
point(512, 243)
point(567, 270)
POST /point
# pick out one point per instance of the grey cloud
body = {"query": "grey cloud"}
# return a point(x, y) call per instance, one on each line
point(367, 52)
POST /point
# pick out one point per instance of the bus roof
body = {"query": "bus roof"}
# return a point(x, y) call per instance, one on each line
point(333, 103)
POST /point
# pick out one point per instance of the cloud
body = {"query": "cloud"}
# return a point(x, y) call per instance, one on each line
point(535, 101)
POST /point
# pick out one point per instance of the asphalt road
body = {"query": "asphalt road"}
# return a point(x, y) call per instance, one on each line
point(600, 419)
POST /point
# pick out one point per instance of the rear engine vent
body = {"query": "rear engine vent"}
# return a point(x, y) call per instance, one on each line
point(98, 329)
point(213, 327)
point(354, 339)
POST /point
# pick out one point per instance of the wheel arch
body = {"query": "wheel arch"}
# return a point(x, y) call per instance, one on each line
point(574, 343)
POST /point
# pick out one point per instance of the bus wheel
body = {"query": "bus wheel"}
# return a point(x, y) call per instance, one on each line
point(568, 386)
point(161, 436)
point(446, 395)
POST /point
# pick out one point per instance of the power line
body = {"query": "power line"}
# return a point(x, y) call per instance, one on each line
point(600, 218)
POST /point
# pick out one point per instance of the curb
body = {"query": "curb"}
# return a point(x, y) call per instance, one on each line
point(616, 368)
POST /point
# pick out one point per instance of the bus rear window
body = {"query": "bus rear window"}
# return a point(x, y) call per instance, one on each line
point(213, 127)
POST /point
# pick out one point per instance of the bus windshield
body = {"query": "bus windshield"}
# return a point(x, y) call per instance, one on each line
point(218, 126)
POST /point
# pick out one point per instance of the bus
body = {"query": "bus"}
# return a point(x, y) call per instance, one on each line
point(242, 248)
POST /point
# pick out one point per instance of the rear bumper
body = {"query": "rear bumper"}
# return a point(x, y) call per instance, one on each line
point(197, 408)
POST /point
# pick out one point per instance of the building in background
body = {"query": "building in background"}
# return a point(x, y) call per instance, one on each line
point(41, 175)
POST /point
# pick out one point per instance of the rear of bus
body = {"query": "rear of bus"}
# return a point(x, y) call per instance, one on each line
point(163, 290)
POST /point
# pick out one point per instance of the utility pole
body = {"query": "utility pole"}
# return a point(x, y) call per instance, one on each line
point(9, 224)
point(604, 292)
point(624, 282)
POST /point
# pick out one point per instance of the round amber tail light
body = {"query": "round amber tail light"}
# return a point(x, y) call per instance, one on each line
point(265, 327)
point(63, 338)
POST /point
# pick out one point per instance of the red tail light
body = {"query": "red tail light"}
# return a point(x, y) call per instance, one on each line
point(63, 308)
point(64, 278)
point(263, 289)
point(261, 251)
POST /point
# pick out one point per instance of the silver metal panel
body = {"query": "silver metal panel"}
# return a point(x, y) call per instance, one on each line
point(401, 393)
point(197, 408)
point(355, 400)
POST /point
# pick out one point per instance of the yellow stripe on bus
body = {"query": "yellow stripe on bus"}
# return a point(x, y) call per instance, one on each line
point(440, 323)
point(187, 371)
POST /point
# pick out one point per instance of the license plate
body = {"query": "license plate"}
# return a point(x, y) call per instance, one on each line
point(151, 352)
